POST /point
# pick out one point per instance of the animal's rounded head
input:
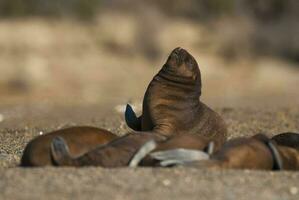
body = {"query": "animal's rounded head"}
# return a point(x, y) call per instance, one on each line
point(181, 63)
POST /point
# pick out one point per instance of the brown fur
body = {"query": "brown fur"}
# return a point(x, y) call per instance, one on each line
point(288, 149)
point(184, 141)
point(290, 157)
point(251, 153)
point(171, 106)
point(287, 139)
point(117, 153)
point(80, 140)
point(241, 153)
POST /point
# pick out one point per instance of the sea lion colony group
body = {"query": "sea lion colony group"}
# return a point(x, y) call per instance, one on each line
point(175, 128)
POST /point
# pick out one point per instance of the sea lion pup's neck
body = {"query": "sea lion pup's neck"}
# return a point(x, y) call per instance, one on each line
point(175, 88)
point(167, 77)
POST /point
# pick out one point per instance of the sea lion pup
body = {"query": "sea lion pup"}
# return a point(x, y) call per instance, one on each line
point(121, 151)
point(257, 152)
point(288, 139)
point(171, 107)
point(171, 103)
point(116, 153)
point(80, 140)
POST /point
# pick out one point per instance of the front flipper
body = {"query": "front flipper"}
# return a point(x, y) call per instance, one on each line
point(179, 156)
point(211, 148)
point(60, 152)
point(142, 153)
point(132, 120)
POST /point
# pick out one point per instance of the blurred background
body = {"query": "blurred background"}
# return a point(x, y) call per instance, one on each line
point(105, 52)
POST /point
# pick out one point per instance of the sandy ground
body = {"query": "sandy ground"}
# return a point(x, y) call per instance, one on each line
point(183, 183)
point(22, 123)
point(57, 74)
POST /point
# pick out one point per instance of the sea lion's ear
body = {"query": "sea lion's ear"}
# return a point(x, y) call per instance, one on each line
point(59, 151)
point(132, 120)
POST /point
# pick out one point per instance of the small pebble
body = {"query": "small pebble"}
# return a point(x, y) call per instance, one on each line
point(1, 117)
point(187, 179)
point(166, 182)
point(293, 190)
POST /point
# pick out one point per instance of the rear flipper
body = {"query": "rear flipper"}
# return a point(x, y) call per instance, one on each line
point(178, 156)
point(132, 120)
point(60, 152)
point(142, 153)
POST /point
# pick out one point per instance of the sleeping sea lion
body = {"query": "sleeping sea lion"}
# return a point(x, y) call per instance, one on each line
point(121, 147)
point(257, 152)
point(80, 140)
point(171, 106)
point(116, 153)
point(246, 153)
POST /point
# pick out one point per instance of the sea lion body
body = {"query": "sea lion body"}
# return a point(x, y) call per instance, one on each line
point(288, 148)
point(80, 140)
point(117, 153)
point(289, 157)
point(171, 106)
point(185, 141)
point(244, 153)
point(239, 153)
point(257, 152)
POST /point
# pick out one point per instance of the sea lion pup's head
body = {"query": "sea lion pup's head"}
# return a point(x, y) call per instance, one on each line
point(181, 67)
point(288, 139)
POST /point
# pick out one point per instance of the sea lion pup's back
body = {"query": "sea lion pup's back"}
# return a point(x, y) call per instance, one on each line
point(171, 103)
point(80, 140)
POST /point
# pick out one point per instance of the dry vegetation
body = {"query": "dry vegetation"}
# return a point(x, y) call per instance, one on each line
point(246, 52)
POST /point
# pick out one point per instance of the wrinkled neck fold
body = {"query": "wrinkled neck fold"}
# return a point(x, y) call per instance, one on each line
point(188, 83)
